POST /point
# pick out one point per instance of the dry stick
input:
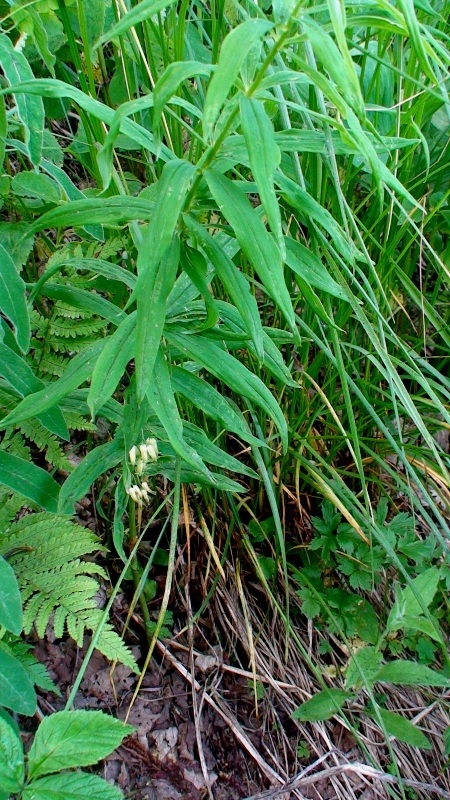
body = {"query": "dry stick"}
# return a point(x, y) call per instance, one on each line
point(227, 717)
point(302, 780)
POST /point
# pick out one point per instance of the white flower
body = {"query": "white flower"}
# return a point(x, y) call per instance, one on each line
point(152, 449)
point(140, 466)
point(132, 455)
point(143, 452)
point(135, 493)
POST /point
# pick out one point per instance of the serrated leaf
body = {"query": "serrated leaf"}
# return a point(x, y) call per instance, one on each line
point(10, 602)
point(12, 772)
point(256, 243)
point(322, 706)
point(30, 109)
point(409, 673)
point(31, 184)
point(265, 157)
point(13, 299)
point(74, 786)
point(16, 690)
point(27, 479)
point(234, 50)
point(69, 739)
point(112, 646)
point(404, 730)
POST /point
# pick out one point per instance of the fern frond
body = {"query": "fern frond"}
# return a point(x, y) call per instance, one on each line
point(46, 442)
point(54, 580)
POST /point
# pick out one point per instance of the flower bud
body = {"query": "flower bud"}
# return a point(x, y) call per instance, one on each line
point(143, 452)
point(132, 455)
point(140, 466)
point(152, 449)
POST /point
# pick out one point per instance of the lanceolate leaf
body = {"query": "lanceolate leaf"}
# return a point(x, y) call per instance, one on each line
point(162, 400)
point(26, 479)
point(22, 378)
point(151, 314)
point(10, 602)
point(264, 156)
point(257, 244)
point(96, 463)
point(30, 109)
point(69, 739)
point(12, 299)
point(404, 730)
point(234, 50)
point(323, 705)
point(112, 362)
point(11, 759)
point(173, 76)
point(104, 210)
point(232, 279)
point(140, 12)
point(232, 372)
point(207, 398)
point(79, 370)
point(410, 673)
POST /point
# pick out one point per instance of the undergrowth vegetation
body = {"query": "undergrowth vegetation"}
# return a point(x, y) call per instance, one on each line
point(224, 287)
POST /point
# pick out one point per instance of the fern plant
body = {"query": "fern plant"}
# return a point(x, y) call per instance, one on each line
point(58, 586)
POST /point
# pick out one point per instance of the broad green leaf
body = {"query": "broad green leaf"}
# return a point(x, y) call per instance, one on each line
point(22, 378)
point(10, 601)
point(264, 156)
point(13, 302)
point(410, 673)
point(140, 12)
point(162, 400)
point(205, 397)
point(112, 363)
point(407, 611)
point(30, 109)
point(79, 370)
point(232, 373)
point(69, 739)
point(96, 463)
point(94, 12)
point(232, 279)
point(30, 184)
point(167, 84)
point(27, 479)
point(257, 244)
point(156, 264)
point(363, 667)
point(404, 730)
point(16, 690)
point(309, 267)
point(235, 48)
point(322, 706)
point(12, 772)
point(71, 786)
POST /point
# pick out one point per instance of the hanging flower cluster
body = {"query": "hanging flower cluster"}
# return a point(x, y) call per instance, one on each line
point(139, 456)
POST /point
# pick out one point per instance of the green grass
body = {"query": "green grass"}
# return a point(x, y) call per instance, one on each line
point(236, 228)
